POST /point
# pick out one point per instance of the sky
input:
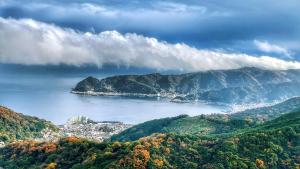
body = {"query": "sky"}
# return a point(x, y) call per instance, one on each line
point(189, 35)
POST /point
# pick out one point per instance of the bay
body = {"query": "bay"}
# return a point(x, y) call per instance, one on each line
point(48, 96)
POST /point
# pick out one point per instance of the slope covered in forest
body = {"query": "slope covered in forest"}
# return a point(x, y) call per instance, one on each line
point(209, 124)
point(16, 126)
point(274, 144)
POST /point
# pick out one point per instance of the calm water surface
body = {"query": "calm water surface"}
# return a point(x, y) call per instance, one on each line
point(49, 97)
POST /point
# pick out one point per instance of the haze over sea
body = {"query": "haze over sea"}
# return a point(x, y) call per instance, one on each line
point(45, 92)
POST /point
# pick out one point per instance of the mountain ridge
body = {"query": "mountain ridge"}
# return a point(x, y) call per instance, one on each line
point(245, 85)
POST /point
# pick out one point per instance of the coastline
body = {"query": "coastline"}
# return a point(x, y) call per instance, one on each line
point(163, 95)
point(232, 107)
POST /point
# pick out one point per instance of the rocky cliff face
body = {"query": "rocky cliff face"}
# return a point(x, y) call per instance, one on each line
point(229, 86)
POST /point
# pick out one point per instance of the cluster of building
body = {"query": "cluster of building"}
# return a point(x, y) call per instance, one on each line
point(83, 127)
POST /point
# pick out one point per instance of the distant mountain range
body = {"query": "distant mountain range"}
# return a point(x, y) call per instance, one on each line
point(245, 85)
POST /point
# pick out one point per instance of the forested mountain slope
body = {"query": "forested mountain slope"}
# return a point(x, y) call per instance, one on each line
point(209, 124)
point(274, 144)
point(16, 126)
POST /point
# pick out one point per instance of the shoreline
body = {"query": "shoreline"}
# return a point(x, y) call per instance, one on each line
point(92, 93)
point(232, 107)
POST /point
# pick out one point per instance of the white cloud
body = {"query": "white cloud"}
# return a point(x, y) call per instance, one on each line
point(267, 47)
point(174, 7)
point(30, 42)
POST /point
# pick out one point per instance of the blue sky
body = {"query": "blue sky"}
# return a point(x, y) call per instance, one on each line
point(255, 27)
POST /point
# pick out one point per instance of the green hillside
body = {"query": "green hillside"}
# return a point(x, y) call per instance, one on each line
point(16, 126)
point(199, 125)
point(274, 144)
point(209, 124)
point(291, 119)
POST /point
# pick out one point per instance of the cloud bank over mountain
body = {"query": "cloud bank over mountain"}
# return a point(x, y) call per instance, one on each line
point(29, 42)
